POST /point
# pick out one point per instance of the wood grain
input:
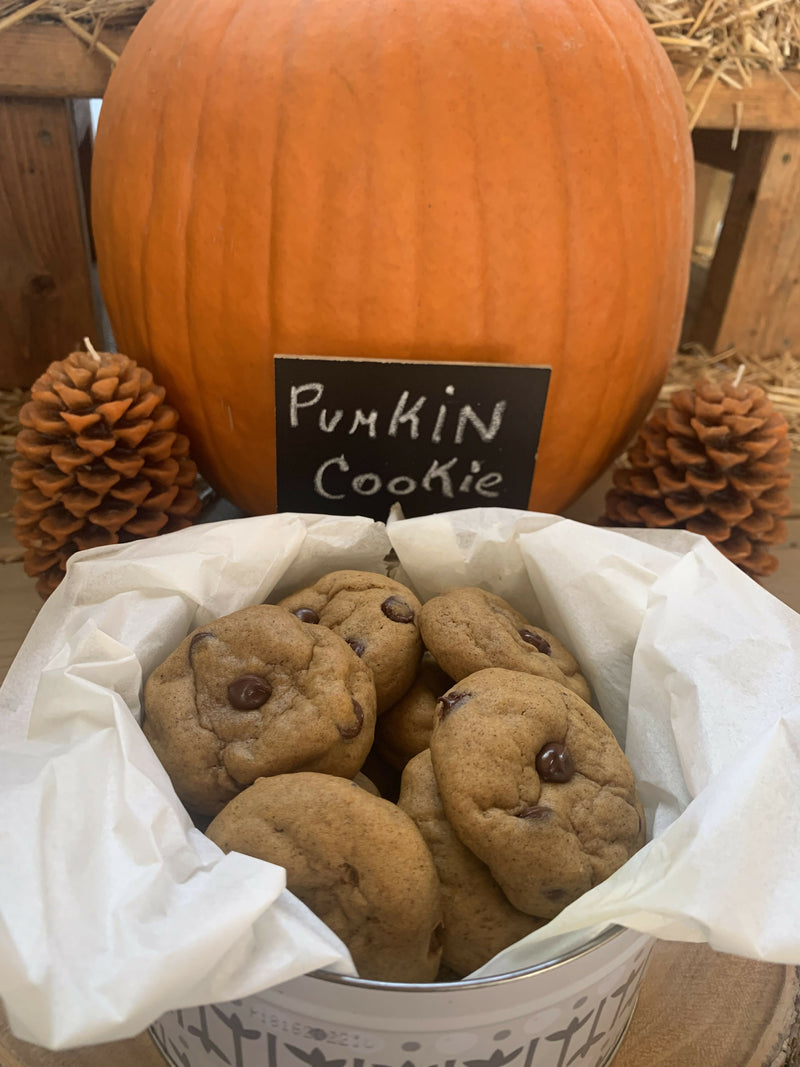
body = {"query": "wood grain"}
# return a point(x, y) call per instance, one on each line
point(770, 102)
point(136, 1052)
point(751, 156)
point(699, 1008)
point(762, 310)
point(46, 297)
point(39, 59)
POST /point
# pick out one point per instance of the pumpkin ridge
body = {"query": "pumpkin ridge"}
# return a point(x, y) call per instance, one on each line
point(482, 242)
point(554, 114)
point(141, 319)
point(272, 229)
point(672, 285)
point(624, 429)
point(419, 208)
point(679, 279)
point(655, 232)
point(677, 282)
point(571, 368)
point(117, 287)
point(292, 36)
point(206, 75)
point(602, 34)
point(371, 123)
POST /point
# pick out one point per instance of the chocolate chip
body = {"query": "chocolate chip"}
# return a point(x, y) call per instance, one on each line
point(249, 692)
point(537, 812)
point(554, 763)
point(449, 702)
point(198, 637)
point(357, 645)
point(355, 729)
point(555, 894)
point(307, 615)
point(539, 643)
point(351, 875)
point(397, 610)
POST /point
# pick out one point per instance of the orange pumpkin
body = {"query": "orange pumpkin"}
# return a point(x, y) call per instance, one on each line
point(488, 180)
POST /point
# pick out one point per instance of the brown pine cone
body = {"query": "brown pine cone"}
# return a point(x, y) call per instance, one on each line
point(715, 462)
point(98, 462)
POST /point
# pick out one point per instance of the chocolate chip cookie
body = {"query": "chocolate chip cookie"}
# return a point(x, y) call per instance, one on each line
point(405, 729)
point(468, 629)
point(376, 616)
point(534, 783)
point(357, 861)
point(255, 693)
point(479, 921)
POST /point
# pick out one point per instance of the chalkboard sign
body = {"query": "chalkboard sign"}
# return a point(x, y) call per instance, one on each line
point(355, 436)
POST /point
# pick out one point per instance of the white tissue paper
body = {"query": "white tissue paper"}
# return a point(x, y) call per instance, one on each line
point(115, 909)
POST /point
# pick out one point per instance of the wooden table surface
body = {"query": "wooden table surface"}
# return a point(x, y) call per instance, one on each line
point(697, 1008)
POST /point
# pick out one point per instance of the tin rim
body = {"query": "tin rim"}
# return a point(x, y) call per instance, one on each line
point(604, 936)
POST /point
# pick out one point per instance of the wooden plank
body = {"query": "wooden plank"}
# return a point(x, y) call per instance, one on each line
point(43, 59)
point(46, 296)
point(136, 1052)
point(771, 102)
point(18, 594)
point(715, 149)
point(700, 1008)
point(713, 304)
point(762, 311)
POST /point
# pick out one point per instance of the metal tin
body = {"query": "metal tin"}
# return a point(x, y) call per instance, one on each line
point(572, 1010)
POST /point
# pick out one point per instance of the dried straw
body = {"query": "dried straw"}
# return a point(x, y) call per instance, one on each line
point(85, 18)
point(728, 39)
point(778, 376)
point(86, 12)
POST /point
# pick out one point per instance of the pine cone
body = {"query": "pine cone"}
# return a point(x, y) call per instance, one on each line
point(714, 462)
point(98, 462)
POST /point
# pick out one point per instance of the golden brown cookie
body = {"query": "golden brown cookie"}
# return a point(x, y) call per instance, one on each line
point(405, 729)
point(468, 629)
point(357, 861)
point(479, 921)
point(255, 693)
point(376, 616)
point(363, 782)
point(535, 784)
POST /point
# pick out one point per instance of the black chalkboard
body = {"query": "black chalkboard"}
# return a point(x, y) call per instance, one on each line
point(354, 436)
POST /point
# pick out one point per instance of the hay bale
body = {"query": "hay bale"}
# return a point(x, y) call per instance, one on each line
point(87, 13)
point(86, 19)
point(728, 39)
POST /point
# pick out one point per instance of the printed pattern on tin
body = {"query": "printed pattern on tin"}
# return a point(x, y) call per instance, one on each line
point(585, 1035)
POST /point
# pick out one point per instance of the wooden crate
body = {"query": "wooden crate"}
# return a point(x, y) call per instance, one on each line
point(751, 298)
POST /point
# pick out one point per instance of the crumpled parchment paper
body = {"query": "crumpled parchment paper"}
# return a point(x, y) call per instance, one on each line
point(114, 908)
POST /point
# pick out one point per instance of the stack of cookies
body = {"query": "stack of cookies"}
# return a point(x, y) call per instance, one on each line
point(432, 777)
